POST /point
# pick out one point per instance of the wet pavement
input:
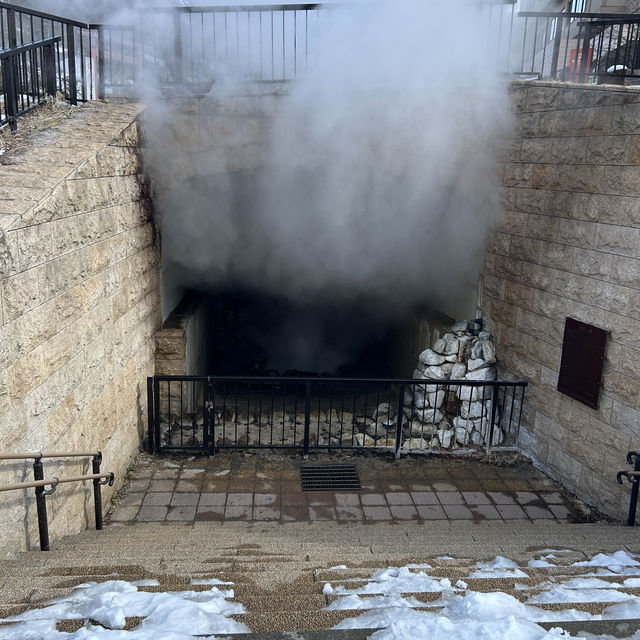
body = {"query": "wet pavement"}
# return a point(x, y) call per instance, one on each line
point(266, 486)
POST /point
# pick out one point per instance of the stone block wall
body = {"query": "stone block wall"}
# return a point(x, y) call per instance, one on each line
point(79, 305)
point(203, 138)
point(568, 245)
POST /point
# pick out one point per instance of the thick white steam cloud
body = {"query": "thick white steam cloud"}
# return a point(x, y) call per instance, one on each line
point(381, 179)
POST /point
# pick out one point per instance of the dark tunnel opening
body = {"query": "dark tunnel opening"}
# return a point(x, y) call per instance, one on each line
point(263, 335)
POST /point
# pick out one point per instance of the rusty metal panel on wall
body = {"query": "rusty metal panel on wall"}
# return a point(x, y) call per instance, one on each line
point(582, 360)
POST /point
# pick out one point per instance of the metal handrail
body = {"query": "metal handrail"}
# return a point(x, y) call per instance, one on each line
point(58, 454)
point(39, 483)
point(14, 51)
point(54, 482)
point(633, 457)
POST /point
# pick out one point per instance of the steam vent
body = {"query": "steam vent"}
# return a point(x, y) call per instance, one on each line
point(274, 278)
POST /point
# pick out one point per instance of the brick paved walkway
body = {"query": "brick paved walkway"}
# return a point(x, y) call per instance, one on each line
point(266, 487)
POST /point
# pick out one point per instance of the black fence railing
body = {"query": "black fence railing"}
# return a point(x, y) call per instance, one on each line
point(204, 414)
point(577, 47)
point(28, 78)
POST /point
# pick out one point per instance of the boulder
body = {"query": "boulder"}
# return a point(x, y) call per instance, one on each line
point(476, 438)
point(428, 414)
point(477, 363)
point(437, 398)
point(447, 368)
point(488, 351)
point(439, 346)
point(459, 371)
point(364, 440)
point(415, 444)
point(472, 410)
point(419, 430)
point(476, 350)
point(462, 436)
point(431, 358)
point(487, 374)
point(452, 346)
point(433, 372)
point(445, 436)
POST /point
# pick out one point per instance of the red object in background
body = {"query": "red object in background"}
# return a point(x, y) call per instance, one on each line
point(575, 63)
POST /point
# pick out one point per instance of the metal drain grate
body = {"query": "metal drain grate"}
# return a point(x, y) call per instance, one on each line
point(329, 477)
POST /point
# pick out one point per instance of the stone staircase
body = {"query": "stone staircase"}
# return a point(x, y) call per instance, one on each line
point(279, 571)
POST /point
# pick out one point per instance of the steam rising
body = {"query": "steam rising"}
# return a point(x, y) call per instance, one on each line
point(381, 179)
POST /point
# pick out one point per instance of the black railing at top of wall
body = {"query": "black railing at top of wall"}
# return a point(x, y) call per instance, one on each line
point(578, 47)
point(192, 413)
point(193, 46)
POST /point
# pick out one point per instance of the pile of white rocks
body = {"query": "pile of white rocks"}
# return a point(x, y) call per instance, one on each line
point(453, 416)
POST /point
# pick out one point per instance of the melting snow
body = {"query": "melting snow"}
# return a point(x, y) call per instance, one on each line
point(176, 616)
point(470, 615)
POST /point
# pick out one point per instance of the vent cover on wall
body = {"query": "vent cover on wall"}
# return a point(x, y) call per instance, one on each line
point(582, 359)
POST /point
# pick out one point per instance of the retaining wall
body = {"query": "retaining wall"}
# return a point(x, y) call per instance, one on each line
point(568, 245)
point(79, 305)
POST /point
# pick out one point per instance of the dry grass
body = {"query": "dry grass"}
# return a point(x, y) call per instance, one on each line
point(49, 114)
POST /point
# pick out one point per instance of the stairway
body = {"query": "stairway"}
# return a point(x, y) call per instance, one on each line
point(280, 571)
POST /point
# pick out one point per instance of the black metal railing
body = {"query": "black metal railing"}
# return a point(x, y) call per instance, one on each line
point(28, 78)
point(39, 483)
point(75, 52)
point(633, 457)
point(577, 47)
point(189, 413)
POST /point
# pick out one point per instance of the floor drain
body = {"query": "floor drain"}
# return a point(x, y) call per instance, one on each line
point(329, 477)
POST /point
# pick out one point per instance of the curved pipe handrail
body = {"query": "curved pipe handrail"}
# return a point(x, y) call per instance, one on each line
point(40, 482)
point(58, 454)
point(54, 482)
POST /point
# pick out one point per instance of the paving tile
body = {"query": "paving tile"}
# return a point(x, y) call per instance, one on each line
point(165, 486)
point(165, 473)
point(320, 498)
point(511, 511)
point(450, 497)
point(157, 499)
point(131, 499)
point(376, 513)
point(294, 513)
point(262, 512)
point(526, 497)
point(212, 499)
point(560, 511)
point(141, 484)
point(476, 497)
point(372, 499)
point(349, 513)
point(499, 497)
point(347, 499)
point(185, 499)
point(485, 512)
point(431, 512)
point(293, 499)
point(188, 486)
point(239, 499)
point(457, 512)
point(538, 513)
point(152, 514)
point(420, 487)
point(403, 512)
point(443, 486)
point(399, 498)
point(237, 512)
point(551, 497)
point(322, 512)
point(181, 513)
point(213, 512)
point(424, 497)
point(265, 499)
point(124, 514)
